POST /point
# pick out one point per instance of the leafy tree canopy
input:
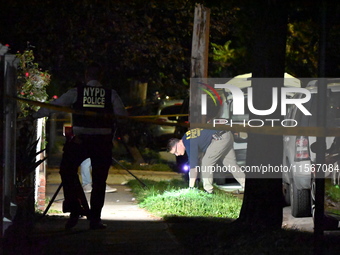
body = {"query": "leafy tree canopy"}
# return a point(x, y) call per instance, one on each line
point(134, 40)
point(151, 41)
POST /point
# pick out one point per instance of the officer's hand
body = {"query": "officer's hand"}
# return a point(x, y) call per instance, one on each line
point(218, 135)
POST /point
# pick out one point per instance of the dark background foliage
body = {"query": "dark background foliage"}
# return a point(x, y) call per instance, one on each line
point(150, 41)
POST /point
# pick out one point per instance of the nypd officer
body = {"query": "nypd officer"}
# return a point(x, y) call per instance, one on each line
point(92, 138)
point(211, 146)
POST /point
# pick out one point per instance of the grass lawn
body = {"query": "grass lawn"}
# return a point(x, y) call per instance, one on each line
point(173, 198)
point(205, 224)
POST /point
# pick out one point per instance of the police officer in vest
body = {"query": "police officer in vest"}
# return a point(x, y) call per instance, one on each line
point(92, 138)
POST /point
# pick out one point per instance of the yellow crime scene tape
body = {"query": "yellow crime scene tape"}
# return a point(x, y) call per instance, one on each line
point(264, 130)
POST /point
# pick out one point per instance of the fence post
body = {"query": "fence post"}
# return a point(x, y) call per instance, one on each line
point(8, 138)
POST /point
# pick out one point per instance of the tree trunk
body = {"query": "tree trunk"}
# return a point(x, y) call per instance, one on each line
point(262, 204)
point(138, 91)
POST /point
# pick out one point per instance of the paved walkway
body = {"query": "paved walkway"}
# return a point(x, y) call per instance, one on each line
point(120, 205)
point(131, 229)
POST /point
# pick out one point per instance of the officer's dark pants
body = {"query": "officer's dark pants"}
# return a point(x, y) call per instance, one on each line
point(79, 148)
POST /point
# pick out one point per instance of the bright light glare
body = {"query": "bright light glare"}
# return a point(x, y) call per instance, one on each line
point(186, 168)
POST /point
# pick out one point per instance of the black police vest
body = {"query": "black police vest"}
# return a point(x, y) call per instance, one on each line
point(94, 99)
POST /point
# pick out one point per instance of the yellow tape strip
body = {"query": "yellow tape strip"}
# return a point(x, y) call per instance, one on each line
point(157, 116)
point(83, 112)
point(265, 130)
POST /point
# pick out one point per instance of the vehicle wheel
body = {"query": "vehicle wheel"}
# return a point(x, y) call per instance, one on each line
point(299, 201)
point(286, 192)
point(312, 196)
point(336, 174)
point(329, 223)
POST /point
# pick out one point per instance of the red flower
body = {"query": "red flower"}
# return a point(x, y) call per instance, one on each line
point(27, 74)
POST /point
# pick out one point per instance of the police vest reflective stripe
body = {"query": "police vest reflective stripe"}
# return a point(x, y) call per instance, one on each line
point(95, 99)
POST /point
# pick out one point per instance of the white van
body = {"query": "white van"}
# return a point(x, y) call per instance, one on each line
point(297, 154)
point(243, 82)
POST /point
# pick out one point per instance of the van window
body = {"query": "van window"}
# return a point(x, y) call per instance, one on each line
point(332, 110)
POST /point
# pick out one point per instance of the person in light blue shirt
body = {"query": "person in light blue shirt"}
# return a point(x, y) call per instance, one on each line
point(86, 177)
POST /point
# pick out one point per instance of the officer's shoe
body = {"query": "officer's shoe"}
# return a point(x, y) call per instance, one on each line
point(97, 225)
point(72, 221)
point(110, 189)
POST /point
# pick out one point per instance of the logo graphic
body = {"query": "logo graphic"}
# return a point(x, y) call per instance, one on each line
point(204, 97)
point(239, 99)
point(234, 102)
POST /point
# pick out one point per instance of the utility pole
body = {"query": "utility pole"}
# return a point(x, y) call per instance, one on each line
point(2, 85)
point(199, 58)
point(321, 141)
